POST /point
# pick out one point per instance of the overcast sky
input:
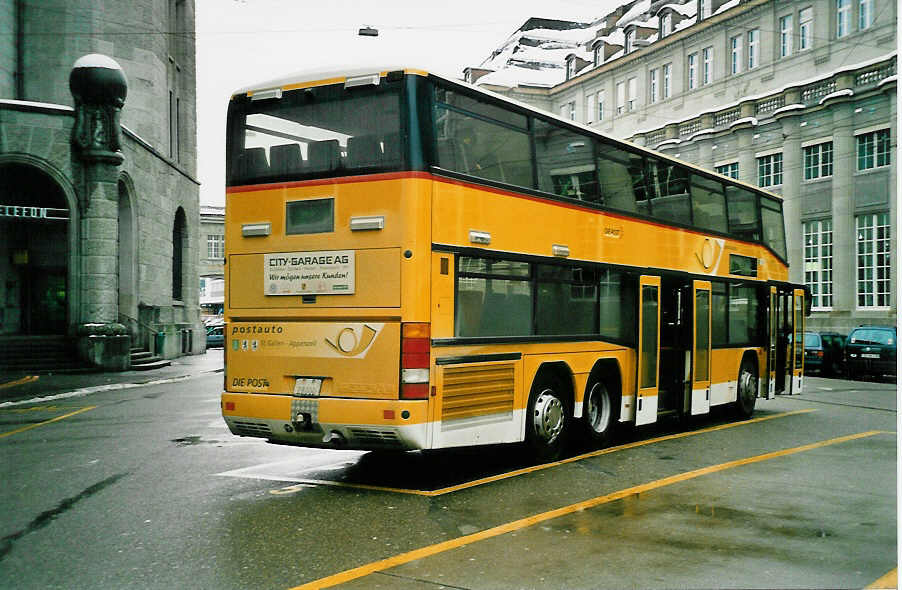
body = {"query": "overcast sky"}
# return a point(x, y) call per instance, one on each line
point(242, 42)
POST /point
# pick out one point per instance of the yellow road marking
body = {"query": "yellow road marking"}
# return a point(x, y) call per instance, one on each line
point(384, 564)
point(57, 419)
point(534, 468)
point(22, 381)
point(889, 580)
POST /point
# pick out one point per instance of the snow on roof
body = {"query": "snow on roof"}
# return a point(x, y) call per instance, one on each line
point(638, 9)
point(727, 6)
point(690, 8)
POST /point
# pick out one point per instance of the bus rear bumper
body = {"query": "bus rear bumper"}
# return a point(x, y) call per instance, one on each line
point(363, 424)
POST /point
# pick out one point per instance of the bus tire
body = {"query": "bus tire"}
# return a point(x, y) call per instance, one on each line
point(747, 387)
point(600, 412)
point(547, 419)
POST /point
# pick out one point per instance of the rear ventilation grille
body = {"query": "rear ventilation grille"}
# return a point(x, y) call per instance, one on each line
point(375, 436)
point(245, 428)
point(477, 390)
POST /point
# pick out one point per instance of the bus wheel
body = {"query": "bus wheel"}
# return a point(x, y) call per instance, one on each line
point(600, 413)
point(747, 388)
point(546, 419)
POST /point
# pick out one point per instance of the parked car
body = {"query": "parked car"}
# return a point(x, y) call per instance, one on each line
point(824, 352)
point(214, 336)
point(871, 350)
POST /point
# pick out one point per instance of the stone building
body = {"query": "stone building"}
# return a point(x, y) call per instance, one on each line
point(211, 245)
point(98, 191)
point(796, 96)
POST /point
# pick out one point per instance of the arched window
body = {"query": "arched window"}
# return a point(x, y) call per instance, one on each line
point(179, 243)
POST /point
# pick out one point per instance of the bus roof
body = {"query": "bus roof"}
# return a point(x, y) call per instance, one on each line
point(309, 78)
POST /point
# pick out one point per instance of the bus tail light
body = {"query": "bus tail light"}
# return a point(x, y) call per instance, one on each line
point(414, 361)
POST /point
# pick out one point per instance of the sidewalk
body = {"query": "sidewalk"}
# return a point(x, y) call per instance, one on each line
point(17, 388)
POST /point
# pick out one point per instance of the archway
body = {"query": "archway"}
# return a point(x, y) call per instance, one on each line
point(179, 250)
point(35, 232)
point(128, 301)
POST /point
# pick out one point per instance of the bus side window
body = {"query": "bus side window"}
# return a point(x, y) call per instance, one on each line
point(564, 162)
point(615, 181)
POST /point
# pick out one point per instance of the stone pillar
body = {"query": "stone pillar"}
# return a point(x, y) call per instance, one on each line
point(99, 88)
point(745, 143)
point(792, 206)
point(843, 206)
point(892, 96)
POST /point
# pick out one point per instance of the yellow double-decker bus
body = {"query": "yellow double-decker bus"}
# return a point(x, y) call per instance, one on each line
point(415, 263)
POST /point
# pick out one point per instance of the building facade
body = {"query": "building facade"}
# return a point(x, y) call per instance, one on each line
point(212, 255)
point(798, 97)
point(98, 193)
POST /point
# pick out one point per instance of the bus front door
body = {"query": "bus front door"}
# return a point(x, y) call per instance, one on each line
point(772, 342)
point(701, 347)
point(649, 349)
point(798, 340)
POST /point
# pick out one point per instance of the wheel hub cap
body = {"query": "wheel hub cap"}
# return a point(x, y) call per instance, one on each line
point(549, 416)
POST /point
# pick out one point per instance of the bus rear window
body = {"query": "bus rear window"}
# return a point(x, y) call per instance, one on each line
point(318, 132)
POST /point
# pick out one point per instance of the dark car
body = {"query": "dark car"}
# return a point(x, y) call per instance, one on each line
point(824, 352)
point(214, 336)
point(871, 350)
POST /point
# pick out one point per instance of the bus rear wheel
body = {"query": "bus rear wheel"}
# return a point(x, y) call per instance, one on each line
point(547, 419)
point(747, 388)
point(600, 413)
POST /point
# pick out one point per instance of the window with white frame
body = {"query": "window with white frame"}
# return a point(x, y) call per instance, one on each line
point(730, 170)
point(818, 160)
point(786, 35)
point(693, 70)
point(865, 14)
point(754, 38)
point(873, 149)
point(806, 28)
point(601, 105)
point(631, 94)
point(666, 24)
point(590, 108)
point(653, 86)
point(770, 170)
point(707, 65)
point(843, 17)
point(596, 55)
point(215, 246)
point(818, 237)
point(628, 41)
point(621, 98)
point(571, 110)
point(873, 281)
point(571, 68)
point(704, 8)
point(735, 54)
point(665, 75)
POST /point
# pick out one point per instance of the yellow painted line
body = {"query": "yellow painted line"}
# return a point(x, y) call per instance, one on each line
point(57, 419)
point(534, 468)
point(22, 381)
point(890, 580)
point(430, 550)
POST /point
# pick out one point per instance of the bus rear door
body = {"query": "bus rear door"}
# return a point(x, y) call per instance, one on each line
point(649, 349)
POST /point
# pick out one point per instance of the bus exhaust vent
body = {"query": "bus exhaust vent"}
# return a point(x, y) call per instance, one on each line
point(477, 390)
point(244, 428)
point(375, 436)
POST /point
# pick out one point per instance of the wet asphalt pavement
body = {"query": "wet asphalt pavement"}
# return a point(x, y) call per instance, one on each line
point(145, 487)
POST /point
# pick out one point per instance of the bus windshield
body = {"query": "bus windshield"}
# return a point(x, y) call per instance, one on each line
point(318, 132)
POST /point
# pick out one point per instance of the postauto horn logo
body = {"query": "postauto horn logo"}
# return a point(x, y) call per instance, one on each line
point(348, 344)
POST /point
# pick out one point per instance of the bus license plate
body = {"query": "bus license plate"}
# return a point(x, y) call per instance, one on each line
point(870, 356)
point(306, 386)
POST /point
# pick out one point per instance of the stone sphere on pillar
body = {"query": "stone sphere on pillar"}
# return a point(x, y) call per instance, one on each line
point(97, 79)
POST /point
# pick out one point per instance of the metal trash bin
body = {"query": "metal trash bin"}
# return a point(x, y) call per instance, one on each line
point(159, 341)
